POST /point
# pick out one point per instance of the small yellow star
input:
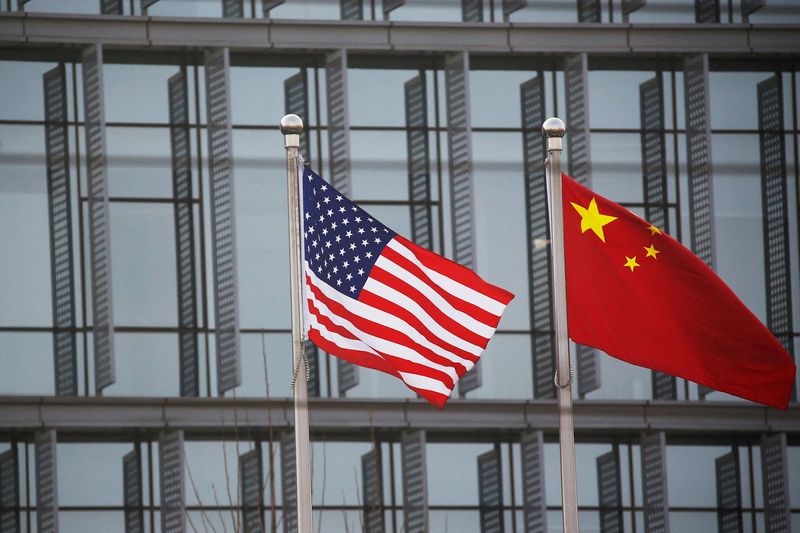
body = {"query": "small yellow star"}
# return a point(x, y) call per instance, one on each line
point(592, 219)
point(651, 251)
point(654, 230)
point(631, 263)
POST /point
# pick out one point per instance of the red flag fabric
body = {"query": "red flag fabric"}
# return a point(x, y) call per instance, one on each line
point(378, 300)
point(641, 296)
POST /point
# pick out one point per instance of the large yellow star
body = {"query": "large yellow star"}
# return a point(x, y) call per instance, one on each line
point(631, 262)
point(651, 251)
point(592, 219)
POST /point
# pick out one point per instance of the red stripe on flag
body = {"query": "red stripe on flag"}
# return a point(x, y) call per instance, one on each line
point(384, 362)
point(434, 312)
point(374, 300)
point(384, 332)
point(456, 272)
point(479, 314)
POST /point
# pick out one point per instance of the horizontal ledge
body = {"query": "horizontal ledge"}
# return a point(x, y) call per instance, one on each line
point(170, 33)
point(349, 418)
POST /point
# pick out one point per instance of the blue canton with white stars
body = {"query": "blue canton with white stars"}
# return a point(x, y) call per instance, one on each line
point(342, 241)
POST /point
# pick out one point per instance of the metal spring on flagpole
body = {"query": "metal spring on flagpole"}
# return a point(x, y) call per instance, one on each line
point(568, 383)
point(300, 359)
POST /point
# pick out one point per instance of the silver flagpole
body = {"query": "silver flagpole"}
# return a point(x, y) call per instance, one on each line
point(553, 130)
point(292, 127)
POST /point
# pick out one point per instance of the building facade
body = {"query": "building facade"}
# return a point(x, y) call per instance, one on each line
point(145, 363)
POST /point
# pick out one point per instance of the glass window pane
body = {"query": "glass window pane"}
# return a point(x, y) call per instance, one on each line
point(138, 93)
point(140, 162)
point(261, 232)
point(146, 365)
point(379, 170)
point(143, 263)
point(22, 89)
point(377, 97)
point(25, 239)
point(91, 474)
point(26, 363)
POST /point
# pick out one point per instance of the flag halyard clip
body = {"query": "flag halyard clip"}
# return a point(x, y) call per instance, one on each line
point(301, 359)
point(568, 383)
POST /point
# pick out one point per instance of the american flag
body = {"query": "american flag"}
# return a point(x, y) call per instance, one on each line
point(377, 300)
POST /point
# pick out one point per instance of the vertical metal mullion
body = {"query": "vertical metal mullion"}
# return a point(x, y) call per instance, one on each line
point(512, 485)
point(173, 490)
point(796, 161)
point(392, 485)
point(65, 350)
point(295, 93)
point(538, 232)
point(46, 482)
point(320, 165)
point(654, 181)
point(372, 491)
point(184, 233)
point(609, 490)
point(132, 490)
point(338, 121)
point(490, 492)
point(459, 136)
point(698, 164)
point(415, 482)
point(99, 227)
point(534, 501)
point(729, 495)
point(418, 157)
point(654, 483)
point(576, 85)
point(339, 156)
point(288, 482)
point(775, 483)
point(9, 490)
point(151, 486)
point(223, 220)
point(81, 243)
point(202, 220)
point(312, 358)
point(631, 485)
point(775, 205)
point(462, 196)
point(251, 474)
point(698, 150)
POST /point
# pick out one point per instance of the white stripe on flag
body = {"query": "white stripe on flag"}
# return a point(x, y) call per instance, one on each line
point(452, 286)
point(389, 320)
point(426, 383)
point(479, 328)
point(384, 291)
point(414, 380)
point(378, 343)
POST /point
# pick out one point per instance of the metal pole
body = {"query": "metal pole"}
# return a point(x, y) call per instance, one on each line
point(553, 130)
point(291, 128)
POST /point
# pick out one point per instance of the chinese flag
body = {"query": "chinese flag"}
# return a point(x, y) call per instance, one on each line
point(639, 295)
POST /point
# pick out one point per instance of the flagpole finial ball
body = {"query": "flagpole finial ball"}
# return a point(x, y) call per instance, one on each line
point(553, 127)
point(291, 124)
